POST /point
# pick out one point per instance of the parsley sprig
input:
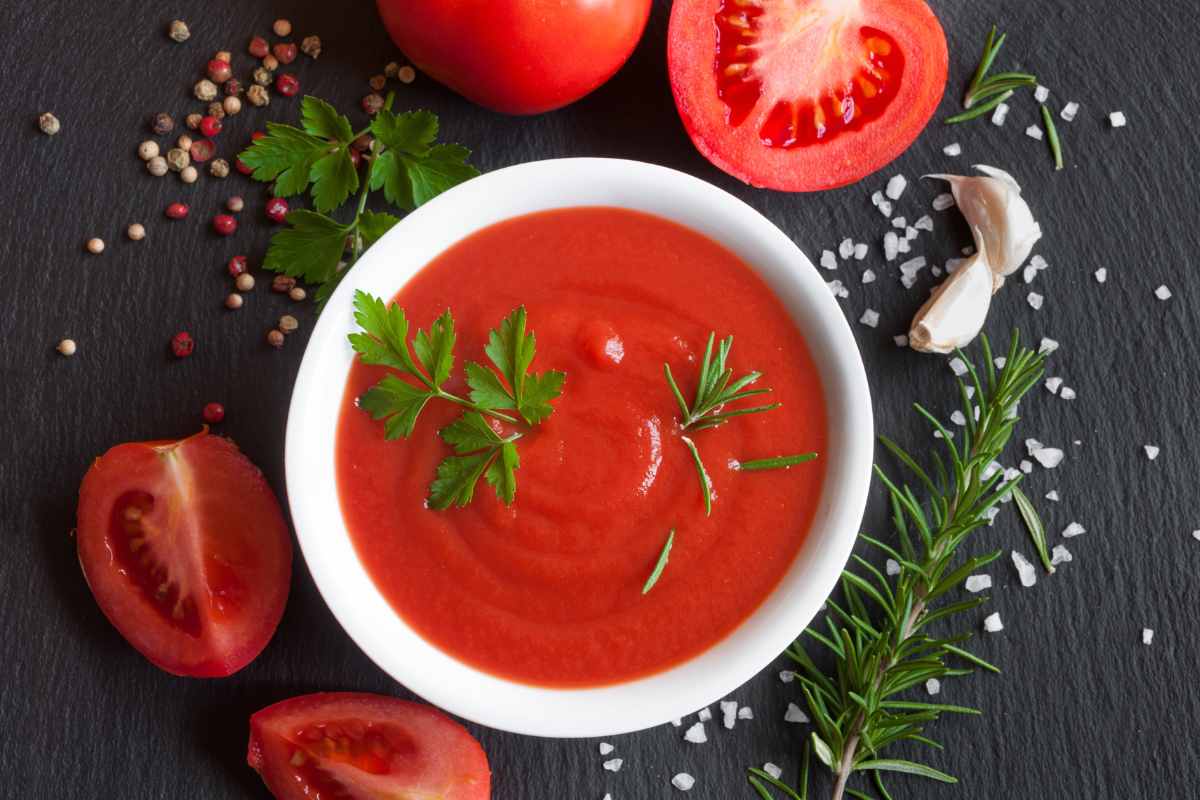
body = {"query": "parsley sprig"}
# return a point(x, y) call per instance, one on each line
point(481, 449)
point(715, 389)
point(404, 161)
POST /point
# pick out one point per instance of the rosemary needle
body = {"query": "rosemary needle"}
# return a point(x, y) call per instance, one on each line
point(1052, 137)
point(1037, 531)
point(980, 110)
point(663, 558)
point(778, 462)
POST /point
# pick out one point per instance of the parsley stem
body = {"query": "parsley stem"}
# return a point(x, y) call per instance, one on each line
point(488, 412)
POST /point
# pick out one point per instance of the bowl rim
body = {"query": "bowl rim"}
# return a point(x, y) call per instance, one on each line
point(712, 675)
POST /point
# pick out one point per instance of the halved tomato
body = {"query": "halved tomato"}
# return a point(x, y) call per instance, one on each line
point(802, 95)
point(365, 747)
point(185, 549)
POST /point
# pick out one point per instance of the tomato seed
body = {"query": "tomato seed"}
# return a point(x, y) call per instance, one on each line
point(214, 413)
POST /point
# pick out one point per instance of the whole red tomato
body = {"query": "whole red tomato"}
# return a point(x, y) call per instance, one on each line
point(517, 56)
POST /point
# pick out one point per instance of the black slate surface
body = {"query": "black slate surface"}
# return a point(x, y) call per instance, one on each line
point(1083, 709)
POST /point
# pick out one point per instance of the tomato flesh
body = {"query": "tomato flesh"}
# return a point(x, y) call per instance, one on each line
point(356, 745)
point(805, 94)
point(186, 551)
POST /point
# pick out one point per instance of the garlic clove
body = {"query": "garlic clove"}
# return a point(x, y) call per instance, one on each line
point(998, 215)
point(955, 312)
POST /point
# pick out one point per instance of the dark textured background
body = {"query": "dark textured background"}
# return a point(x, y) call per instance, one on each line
point(1082, 709)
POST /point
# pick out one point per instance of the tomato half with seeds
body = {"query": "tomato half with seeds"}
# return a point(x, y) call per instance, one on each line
point(802, 95)
point(365, 747)
point(186, 550)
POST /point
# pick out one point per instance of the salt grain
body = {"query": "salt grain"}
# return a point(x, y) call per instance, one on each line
point(1069, 111)
point(1031, 445)
point(605, 748)
point(729, 710)
point(786, 676)
point(683, 782)
point(991, 514)
point(901, 340)
point(1072, 530)
point(846, 248)
point(891, 245)
point(676, 722)
point(910, 233)
point(953, 149)
point(903, 246)
point(1162, 293)
point(958, 418)
point(1101, 275)
point(943, 201)
point(1151, 451)
point(909, 270)
point(977, 583)
point(924, 223)
point(868, 276)
point(614, 765)
point(838, 289)
point(885, 208)
point(999, 361)
point(1034, 132)
point(1000, 114)
point(933, 686)
point(1026, 466)
point(899, 222)
point(860, 251)
point(958, 366)
point(1028, 274)
point(1052, 384)
point(1035, 300)
point(1038, 263)
point(772, 770)
point(990, 470)
point(1060, 555)
point(1025, 570)
point(935, 272)
point(876, 197)
point(1041, 93)
point(696, 734)
point(794, 714)
point(1047, 346)
point(1048, 457)
point(1117, 119)
point(992, 623)
point(1052, 495)
point(870, 318)
point(1196, 535)
point(828, 259)
point(895, 187)
point(892, 566)
point(1147, 636)
point(704, 714)
point(1067, 393)
point(745, 712)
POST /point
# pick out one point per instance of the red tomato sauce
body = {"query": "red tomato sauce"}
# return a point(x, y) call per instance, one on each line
point(548, 591)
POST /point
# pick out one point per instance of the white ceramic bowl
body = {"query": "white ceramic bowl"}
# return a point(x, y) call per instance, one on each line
point(499, 703)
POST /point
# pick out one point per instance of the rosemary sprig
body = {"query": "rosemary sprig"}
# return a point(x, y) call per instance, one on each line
point(1052, 137)
point(878, 631)
point(994, 89)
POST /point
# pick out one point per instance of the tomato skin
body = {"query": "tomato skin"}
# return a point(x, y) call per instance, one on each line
point(426, 754)
point(217, 536)
point(517, 56)
point(845, 159)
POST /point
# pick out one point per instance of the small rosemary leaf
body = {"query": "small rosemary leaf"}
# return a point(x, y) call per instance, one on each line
point(540, 389)
point(778, 462)
point(435, 348)
point(500, 473)
point(907, 767)
point(758, 787)
point(661, 564)
point(321, 119)
point(308, 248)
point(1033, 523)
point(372, 225)
point(285, 155)
point(858, 795)
point(1052, 137)
point(979, 110)
point(470, 433)
point(702, 474)
point(397, 402)
point(333, 178)
point(384, 337)
point(822, 751)
point(487, 390)
point(939, 707)
point(443, 168)
point(456, 479)
point(412, 132)
point(763, 775)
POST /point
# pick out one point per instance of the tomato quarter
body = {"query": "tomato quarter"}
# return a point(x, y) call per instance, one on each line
point(365, 746)
point(517, 56)
point(185, 548)
point(802, 95)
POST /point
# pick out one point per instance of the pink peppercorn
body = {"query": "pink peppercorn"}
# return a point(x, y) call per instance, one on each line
point(277, 209)
point(237, 265)
point(177, 210)
point(219, 71)
point(259, 47)
point(202, 150)
point(182, 344)
point(210, 126)
point(243, 167)
point(287, 84)
point(213, 413)
point(224, 224)
point(254, 137)
point(285, 52)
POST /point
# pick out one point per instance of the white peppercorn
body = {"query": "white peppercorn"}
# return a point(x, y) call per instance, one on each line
point(66, 347)
point(95, 246)
point(49, 124)
point(258, 96)
point(178, 31)
point(178, 158)
point(282, 27)
point(218, 168)
point(189, 174)
point(232, 105)
point(157, 166)
point(147, 150)
point(205, 90)
point(136, 232)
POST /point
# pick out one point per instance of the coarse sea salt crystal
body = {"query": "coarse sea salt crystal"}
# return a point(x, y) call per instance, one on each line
point(901, 340)
point(1052, 384)
point(1060, 555)
point(903, 245)
point(828, 259)
point(885, 208)
point(870, 318)
point(1025, 466)
point(868, 276)
point(1052, 495)
point(958, 418)
point(1196, 535)
point(1162, 293)
point(683, 782)
point(977, 583)
point(892, 566)
point(1029, 273)
point(1069, 111)
point(846, 248)
point(860, 250)
point(1072, 530)
point(729, 713)
point(1151, 451)
point(613, 764)
point(935, 271)
point(895, 187)
point(958, 366)
point(1048, 457)
point(704, 714)
point(1041, 93)
point(1101, 275)
point(1035, 300)
point(786, 676)
point(772, 770)
point(745, 712)
point(1047, 346)
point(909, 270)
point(999, 361)
point(1025, 569)
point(1117, 119)
point(607, 797)
point(1034, 132)
point(991, 514)
point(1032, 445)
point(943, 201)
point(794, 714)
point(676, 722)
point(1147, 636)
point(1067, 393)
point(924, 223)
point(1000, 114)
point(696, 734)
point(899, 222)
point(876, 197)
point(838, 289)
point(933, 686)
point(910, 233)
point(953, 149)
point(1011, 474)
point(891, 245)
point(992, 623)
point(606, 748)
point(990, 470)
point(971, 394)
point(1038, 263)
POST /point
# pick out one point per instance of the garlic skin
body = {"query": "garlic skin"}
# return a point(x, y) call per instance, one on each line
point(954, 314)
point(998, 215)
